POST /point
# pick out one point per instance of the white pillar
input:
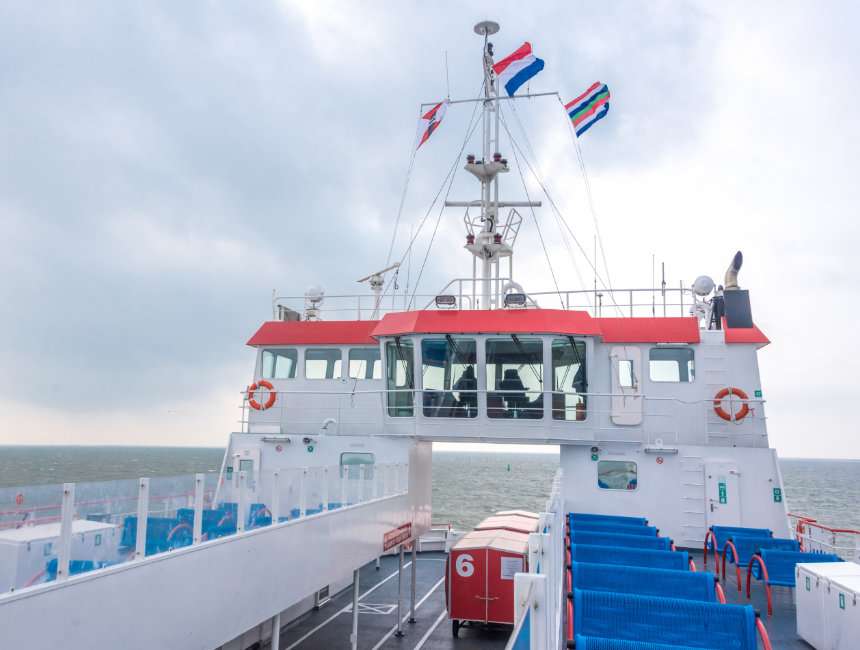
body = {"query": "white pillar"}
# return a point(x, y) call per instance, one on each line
point(242, 507)
point(67, 517)
point(199, 488)
point(325, 489)
point(414, 571)
point(302, 491)
point(353, 638)
point(142, 513)
point(276, 631)
point(399, 631)
point(275, 504)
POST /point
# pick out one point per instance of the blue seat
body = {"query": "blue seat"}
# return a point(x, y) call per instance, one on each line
point(626, 556)
point(780, 564)
point(618, 519)
point(746, 547)
point(624, 529)
point(722, 533)
point(599, 643)
point(618, 539)
point(671, 621)
point(668, 583)
point(75, 567)
point(162, 534)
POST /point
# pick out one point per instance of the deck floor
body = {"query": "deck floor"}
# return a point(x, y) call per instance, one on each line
point(330, 626)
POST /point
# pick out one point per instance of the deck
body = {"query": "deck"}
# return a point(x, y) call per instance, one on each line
point(330, 626)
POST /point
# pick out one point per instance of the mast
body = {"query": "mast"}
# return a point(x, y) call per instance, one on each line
point(487, 244)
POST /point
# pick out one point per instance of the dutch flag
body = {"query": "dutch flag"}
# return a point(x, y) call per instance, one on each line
point(517, 68)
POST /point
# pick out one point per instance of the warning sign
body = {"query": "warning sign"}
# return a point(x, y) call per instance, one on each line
point(510, 566)
point(397, 536)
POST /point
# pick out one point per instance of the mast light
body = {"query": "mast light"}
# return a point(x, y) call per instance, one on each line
point(446, 300)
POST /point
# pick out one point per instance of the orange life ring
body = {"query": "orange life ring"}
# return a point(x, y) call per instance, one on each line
point(269, 403)
point(718, 404)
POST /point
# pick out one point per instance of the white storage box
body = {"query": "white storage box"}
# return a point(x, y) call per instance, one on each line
point(842, 613)
point(812, 580)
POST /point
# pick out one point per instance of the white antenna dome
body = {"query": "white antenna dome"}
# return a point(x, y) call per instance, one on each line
point(315, 293)
point(703, 286)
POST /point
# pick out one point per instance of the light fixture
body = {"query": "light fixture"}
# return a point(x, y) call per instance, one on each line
point(446, 300)
point(515, 300)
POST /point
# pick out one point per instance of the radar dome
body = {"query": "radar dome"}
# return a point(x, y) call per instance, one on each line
point(315, 293)
point(703, 286)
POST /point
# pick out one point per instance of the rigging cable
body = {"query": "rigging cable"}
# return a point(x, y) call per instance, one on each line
point(402, 198)
point(561, 231)
point(588, 195)
point(452, 170)
point(532, 210)
point(567, 225)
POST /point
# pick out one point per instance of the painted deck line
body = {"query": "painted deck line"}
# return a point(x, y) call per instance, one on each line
point(406, 618)
point(442, 616)
point(344, 609)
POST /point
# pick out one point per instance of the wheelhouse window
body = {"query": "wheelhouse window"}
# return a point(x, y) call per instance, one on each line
point(450, 381)
point(400, 377)
point(616, 475)
point(515, 378)
point(569, 379)
point(671, 365)
point(323, 363)
point(280, 364)
point(365, 363)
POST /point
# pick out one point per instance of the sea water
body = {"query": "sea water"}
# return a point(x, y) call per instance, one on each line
point(467, 486)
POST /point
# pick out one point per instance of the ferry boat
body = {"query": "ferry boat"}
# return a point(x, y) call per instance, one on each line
point(665, 526)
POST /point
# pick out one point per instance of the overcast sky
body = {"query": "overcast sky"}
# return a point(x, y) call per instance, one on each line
point(165, 166)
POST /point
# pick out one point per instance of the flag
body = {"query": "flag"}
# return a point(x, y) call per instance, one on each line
point(430, 121)
point(589, 107)
point(517, 68)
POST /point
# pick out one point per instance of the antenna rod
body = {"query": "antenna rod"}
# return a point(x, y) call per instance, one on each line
point(499, 98)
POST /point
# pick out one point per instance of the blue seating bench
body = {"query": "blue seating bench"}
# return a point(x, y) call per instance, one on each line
point(624, 529)
point(743, 548)
point(717, 536)
point(619, 539)
point(645, 581)
point(670, 621)
point(599, 643)
point(616, 519)
point(626, 556)
point(776, 568)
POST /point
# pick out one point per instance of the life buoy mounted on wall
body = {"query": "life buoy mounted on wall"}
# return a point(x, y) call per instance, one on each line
point(727, 416)
point(269, 403)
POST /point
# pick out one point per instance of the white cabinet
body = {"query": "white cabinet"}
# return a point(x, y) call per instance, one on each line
point(813, 586)
point(842, 613)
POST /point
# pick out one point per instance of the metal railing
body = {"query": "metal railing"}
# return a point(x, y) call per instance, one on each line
point(817, 537)
point(77, 528)
point(654, 302)
point(667, 420)
point(539, 594)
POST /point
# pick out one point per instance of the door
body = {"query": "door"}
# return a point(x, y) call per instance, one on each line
point(468, 569)
point(722, 493)
point(626, 407)
point(500, 585)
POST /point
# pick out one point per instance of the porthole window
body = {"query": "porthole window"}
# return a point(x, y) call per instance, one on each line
point(616, 475)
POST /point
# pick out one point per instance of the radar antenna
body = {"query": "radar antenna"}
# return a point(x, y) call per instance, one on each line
point(376, 281)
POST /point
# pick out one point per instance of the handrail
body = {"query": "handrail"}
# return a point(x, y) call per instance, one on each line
point(765, 579)
point(718, 588)
point(762, 631)
point(730, 544)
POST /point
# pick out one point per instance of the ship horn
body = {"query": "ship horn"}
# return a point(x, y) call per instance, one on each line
point(732, 272)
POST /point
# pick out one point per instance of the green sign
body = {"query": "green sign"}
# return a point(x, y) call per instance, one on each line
point(310, 449)
point(723, 496)
point(758, 392)
point(593, 456)
point(808, 584)
point(777, 495)
point(841, 601)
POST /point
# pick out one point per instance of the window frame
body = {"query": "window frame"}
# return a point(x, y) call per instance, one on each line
point(492, 393)
point(378, 360)
point(394, 409)
point(456, 411)
point(319, 349)
point(275, 350)
point(690, 364)
point(618, 489)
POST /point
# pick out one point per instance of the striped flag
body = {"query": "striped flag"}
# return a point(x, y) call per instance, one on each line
point(430, 121)
point(589, 107)
point(517, 68)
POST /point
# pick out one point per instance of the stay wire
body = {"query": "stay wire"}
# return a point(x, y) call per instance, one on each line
point(532, 210)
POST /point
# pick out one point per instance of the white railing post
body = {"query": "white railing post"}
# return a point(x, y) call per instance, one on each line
point(242, 507)
point(535, 566)
point(302, 490)
point(199, 489)
point(539, 631)
point(384, 469)
point(344, 473)
point(374, 483)
point(360, 483)
point(325, 489)
point(275, 507)
point(67, 515)
point(142, 513)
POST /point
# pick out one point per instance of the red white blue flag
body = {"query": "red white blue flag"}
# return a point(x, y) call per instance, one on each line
point(590, 107)
point(517, 68)
point(430, 121)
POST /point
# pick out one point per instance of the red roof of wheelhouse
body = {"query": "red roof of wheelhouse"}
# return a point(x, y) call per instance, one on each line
point(508, 321)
